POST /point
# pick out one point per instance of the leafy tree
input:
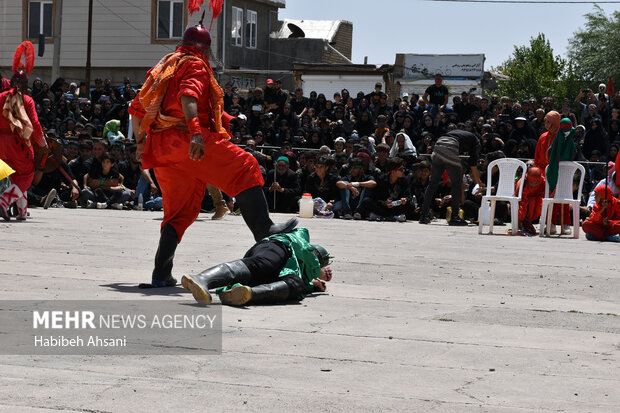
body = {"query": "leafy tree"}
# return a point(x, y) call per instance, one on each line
point(595, 49)
point(533, 71)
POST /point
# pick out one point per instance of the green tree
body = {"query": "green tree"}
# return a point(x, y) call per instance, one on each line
point(533, 71)
point(595, 49)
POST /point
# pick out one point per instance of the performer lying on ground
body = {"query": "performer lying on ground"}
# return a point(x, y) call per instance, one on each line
point(180, 108)
point(279, 268)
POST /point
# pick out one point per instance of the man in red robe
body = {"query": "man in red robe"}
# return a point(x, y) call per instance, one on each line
point(180, 108)
point(19, 126)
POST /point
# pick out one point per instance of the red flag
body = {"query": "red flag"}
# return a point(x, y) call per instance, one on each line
point(194, 6)
point(610, 88)
point(216, 8)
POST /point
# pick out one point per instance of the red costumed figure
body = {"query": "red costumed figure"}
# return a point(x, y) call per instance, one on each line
point(180, 109)
point(541, 160)
point(19, 126)
point(531, 200)
point(604, 221)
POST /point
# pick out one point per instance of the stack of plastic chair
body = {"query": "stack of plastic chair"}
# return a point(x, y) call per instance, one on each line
point(505, 191)
point(563, 195)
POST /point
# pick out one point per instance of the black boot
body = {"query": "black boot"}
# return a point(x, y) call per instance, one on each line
point(162, 273)
point(222, 275)
point(253, 206)
point(275, 292)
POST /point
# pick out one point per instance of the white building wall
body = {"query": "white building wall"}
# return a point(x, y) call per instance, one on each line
point(329, 84)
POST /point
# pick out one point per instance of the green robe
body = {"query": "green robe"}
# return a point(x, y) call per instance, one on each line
point(562, 149)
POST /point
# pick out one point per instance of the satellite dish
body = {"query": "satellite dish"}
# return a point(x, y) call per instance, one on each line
point(296, 31)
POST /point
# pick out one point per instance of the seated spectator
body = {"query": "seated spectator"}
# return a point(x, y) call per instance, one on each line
point(104, 189)
point(531, 199)
point(150, 191)
point(322, 184)
point(382, 154)
point(391, 199)
point(354, 188)
point(419, 181)
point(282, 188)
point(404, 149)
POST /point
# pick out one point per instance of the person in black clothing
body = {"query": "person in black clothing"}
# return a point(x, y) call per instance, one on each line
point(354, 188)
point(445, 157)
point(299, 103)
point(282, 182)
point(130, 169)
point(275, 98)
point(391, 199)
point(436, 95)
point(43, 184)
point(322, 184)
point(79, 166)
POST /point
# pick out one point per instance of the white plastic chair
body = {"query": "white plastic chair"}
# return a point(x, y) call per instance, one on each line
point(505, 191)
point(563, 195)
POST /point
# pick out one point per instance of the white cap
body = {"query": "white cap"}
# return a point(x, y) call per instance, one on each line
point(242, 117)
point(405, 94)
point(602, 85)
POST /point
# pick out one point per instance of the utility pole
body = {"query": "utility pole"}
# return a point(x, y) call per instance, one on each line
point(57, 31)
point(88, 45)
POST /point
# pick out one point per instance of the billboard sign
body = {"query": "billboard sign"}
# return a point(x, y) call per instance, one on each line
point(424, 66)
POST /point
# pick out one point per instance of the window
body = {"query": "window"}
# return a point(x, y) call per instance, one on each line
point(250, 30)
point(237, 26)
point(40, 18)
point(170, 19)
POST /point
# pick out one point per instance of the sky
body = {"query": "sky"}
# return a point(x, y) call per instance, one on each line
point(383, 28)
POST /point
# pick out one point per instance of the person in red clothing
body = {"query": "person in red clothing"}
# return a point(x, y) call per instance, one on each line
point(19, 126)
point(603, 224)
point(180, 108)
point(541, 160)
point(531, 199)
point(5, 84)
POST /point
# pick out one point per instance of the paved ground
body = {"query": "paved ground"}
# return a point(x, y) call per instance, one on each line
point(418, 319)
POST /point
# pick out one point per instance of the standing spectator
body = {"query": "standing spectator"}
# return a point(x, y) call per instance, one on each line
point(299, 103)
point(436, 96)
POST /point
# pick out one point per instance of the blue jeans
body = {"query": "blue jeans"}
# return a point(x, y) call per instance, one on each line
point(149, 201)
point(349, 202)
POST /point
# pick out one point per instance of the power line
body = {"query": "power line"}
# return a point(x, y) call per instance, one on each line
point(527, 1)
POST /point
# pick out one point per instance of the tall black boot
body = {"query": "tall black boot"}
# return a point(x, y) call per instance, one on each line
point(255, 211)
point(275, 292)
point(162, 273)
point(222, 275)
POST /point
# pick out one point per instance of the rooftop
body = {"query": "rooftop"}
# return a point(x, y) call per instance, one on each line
point(310, 29)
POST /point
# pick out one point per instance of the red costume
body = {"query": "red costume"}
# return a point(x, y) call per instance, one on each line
point(5, 85)
point(531, 199)
point(19, 125)
point(182, 180)
point(541, 158)
point(594, 225)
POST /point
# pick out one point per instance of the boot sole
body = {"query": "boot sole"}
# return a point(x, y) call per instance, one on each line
point(237, 296)
point(220, 215)
point(200, 295)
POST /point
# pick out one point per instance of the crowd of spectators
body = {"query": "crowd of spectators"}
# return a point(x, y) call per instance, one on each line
point(365, 157)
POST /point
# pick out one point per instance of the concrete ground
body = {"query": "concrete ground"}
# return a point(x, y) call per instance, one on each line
point(418, 319)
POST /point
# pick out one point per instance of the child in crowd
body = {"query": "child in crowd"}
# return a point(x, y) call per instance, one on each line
point(531, 200)
point(604, 221)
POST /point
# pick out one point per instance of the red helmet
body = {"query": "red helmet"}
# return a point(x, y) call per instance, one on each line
point(197, 36)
